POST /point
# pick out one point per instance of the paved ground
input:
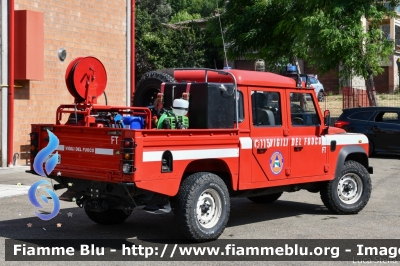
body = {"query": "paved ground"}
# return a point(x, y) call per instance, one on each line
point(10, 186)
point(299, 215)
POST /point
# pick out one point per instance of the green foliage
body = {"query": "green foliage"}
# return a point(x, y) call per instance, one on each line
point(159, 10)
point(142, 26)
point(160, 46)
point(250, 30)
point(169, 48)
point(339, 37)
point(325, 33)
point(203, 7)
point(183, 16)
point(178, 5)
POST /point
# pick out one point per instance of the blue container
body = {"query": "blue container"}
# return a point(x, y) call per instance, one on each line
point(134, 122)
point(117, 118)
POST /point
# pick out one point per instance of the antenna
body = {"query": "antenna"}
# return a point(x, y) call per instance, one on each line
point(222, 34)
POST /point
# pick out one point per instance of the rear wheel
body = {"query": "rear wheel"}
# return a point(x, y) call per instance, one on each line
point(349, 192)
point(202, 206)
point(321, 96)
point(108, 217)
point(266, 198)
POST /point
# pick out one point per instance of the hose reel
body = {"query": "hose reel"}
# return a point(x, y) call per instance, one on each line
point(86, 79)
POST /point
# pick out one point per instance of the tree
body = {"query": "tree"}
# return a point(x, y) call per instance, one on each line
point(342, 39)
point(159, 10)
point(159, 45)
point(250, 31)
point(325, 33)
point(142, 26)
point(183, 16)
point(178, 5)
point(203, 7)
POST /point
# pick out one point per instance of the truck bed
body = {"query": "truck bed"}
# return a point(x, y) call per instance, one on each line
point(97, 153)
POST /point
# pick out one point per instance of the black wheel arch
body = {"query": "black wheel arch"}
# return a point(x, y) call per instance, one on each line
point(354, 153)
point(216, 166)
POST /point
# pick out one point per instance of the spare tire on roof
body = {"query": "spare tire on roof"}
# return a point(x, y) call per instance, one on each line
point(148, 87)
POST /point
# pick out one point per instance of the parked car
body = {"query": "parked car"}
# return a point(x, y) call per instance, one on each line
point(314, 82)
point(380, 124)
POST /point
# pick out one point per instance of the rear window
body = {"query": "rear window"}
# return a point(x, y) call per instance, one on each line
point(365, 116)
point(387, 117)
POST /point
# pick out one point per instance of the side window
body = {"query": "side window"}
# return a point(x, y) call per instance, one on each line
point(313, 80)
point(266, 108)
point(365, 116)
point(387, 117)
point(303, 111)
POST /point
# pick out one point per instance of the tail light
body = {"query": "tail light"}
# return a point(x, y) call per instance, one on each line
point(127, 143)
point(341, 124)
point(127, 152)
point(34, 146)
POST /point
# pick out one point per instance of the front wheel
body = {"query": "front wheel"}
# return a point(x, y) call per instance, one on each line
point(202, 206)
point(349, 192)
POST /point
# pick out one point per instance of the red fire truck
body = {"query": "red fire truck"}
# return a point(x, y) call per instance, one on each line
point(247, 134)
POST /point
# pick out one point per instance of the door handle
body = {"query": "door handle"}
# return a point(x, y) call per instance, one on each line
point(298, 148)
point(261, 150)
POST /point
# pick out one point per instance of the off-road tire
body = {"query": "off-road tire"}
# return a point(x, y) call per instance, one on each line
point(354, 178)
point(202, 194)
point(266, 198)
point(108, 217)
point(148, 87)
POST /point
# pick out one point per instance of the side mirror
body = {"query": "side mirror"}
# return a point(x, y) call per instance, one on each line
point(327, 118)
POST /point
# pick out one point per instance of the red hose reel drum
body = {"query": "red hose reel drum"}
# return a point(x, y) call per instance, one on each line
point(86, 79)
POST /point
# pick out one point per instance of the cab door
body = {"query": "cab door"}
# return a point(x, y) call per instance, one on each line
point(308, 155)
point(270, 145)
